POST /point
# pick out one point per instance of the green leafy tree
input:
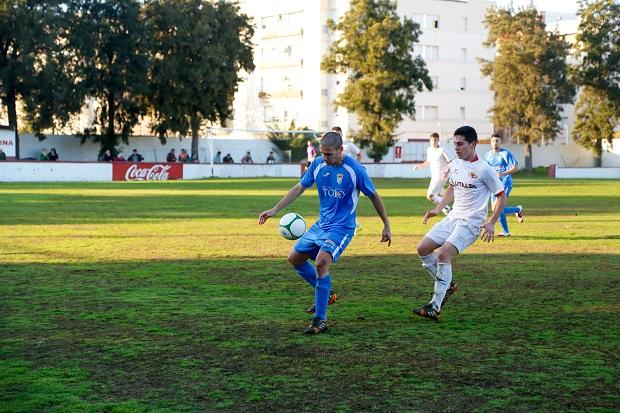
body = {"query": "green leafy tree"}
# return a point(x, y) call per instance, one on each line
point(112, 47)
point(595, 121)
point(529, 75)
point(199, 50)
point(296, 142)
point(597, 51)
point(37, 70)
point(375, 49)
point(598, 48)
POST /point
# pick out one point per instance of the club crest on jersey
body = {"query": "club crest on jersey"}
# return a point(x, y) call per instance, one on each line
point(473, 175)
point(339, 178)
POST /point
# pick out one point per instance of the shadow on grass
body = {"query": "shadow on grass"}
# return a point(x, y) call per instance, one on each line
point(525, 332)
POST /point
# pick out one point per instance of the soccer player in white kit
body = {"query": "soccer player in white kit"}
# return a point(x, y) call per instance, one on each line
point(472, 181)
point(348, 147)
point(438, 161)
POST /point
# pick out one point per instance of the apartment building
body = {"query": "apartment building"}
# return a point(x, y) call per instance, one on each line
point(288, 84)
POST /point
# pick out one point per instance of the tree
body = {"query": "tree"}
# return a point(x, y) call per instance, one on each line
point(595, 121)
point(598, 73)
point(528, 75)
point(199, 50)
point(375, 48)
point(598, 48)
point(112, 46)
point(36, 68)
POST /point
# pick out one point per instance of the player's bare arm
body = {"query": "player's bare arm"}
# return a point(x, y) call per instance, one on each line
point(448, 196)
point(487, 231)
point(421, 165)
point(292, 195)
point(377, 202)
point(507, 172)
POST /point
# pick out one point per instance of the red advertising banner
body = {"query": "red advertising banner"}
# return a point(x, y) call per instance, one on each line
point(398, 152)
point(146, 171)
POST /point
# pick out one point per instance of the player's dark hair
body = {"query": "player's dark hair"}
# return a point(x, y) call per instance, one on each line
point(468, 133)
point(332, 139)
point(337, 129)
point(435, 135)
point(496, 135)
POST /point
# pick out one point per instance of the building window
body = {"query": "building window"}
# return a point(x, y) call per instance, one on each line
point(464, 20)
point(462, 110)
point(462, 86)
point(324, 124)
point(431, 52)
point(323, 92)
point(433, 21)
point(430, 112)
point(418, 50)
point(464, 54)
point(435, 80)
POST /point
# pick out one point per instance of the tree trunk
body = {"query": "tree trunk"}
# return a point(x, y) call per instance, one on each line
point(528, 157)
point(12, 109)
point(598, 153)
point(195, 130)
point(109, 140)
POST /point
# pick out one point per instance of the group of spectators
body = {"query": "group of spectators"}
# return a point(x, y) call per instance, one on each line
point(107, 156)
point(182, 158)
point(247, 158)
point(52, 155)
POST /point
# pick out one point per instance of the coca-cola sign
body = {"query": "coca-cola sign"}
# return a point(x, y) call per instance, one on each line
point(123, 171)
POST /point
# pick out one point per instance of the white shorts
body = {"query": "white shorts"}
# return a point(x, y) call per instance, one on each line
point(455, 231)
point(435, 187)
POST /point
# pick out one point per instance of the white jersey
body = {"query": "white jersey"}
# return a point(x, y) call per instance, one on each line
point(437, 160)
point(350, 149)
point(473, 182)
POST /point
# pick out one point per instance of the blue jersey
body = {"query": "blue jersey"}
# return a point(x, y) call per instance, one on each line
point(338, 188)
point(502, 161)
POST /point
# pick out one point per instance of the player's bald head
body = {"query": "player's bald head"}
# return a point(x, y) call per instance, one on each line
point(332, 140)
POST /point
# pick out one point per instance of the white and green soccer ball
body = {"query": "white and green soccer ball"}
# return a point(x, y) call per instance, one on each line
point(292, 226)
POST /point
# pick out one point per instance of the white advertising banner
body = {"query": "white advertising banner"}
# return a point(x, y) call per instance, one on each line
point(7, 142)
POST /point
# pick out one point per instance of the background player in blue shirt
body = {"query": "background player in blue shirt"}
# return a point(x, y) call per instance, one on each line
point(505, 164)
point(339, 179)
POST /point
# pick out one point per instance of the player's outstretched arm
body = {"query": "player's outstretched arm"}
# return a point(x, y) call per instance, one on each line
point(377, 202)
point(487, 231)
point(292, 195)
point(421, 165)
point(448, 196)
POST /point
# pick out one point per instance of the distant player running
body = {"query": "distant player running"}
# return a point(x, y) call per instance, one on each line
point(471, 181)
point(339, 180)
point(438, 160)
point(505, 164)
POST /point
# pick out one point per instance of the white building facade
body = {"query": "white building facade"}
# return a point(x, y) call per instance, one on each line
point(288, 84)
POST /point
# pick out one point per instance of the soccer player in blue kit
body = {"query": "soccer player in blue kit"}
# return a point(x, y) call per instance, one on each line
point(339, 179)
point(505, 164)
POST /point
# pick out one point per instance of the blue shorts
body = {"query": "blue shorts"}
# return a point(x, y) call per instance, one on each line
point(315, 239)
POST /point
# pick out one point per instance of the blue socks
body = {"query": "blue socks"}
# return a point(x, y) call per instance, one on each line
point(321, 296)
point(307, 272)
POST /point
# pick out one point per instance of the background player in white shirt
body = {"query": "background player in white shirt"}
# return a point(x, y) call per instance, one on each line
point(472, 181)
point(349, 148)
point(438, 160)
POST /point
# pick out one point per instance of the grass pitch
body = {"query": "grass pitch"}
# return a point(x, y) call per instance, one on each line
point(165, 297)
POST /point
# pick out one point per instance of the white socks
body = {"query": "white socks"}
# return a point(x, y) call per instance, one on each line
point(442, 283)
point(429, 263)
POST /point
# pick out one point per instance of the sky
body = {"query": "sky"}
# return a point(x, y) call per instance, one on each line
point(559, 6)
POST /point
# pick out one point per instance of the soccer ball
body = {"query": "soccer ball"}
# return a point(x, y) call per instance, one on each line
point(292, 226)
